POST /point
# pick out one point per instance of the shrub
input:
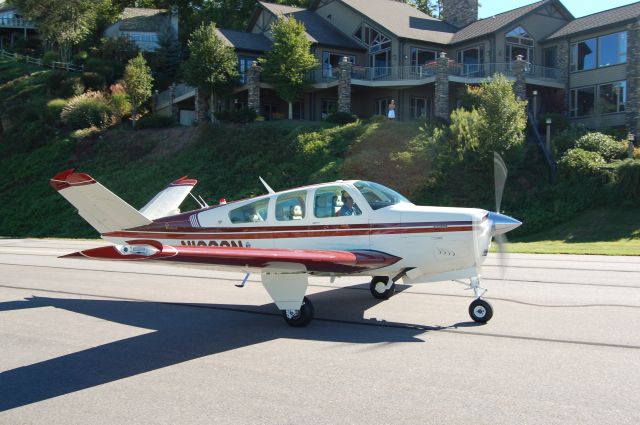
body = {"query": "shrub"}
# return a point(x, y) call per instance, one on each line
point(110, 70)
point(54, 81)
point(93, 81)
point(63, 84)
point(606, 146)
point(49, 57)
point(85, 133)
point(277, 116)
point(578, 164)
point(120, 105)
point(341, 118)
point(566, 139)
point(80, 57)
point(156, 121)
point(54, 108)
point(464, 125)
point(559, 122)
point(87, 110)
point(629, 181)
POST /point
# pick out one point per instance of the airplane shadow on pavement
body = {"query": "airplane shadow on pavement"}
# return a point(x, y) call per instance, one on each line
point(182, 332)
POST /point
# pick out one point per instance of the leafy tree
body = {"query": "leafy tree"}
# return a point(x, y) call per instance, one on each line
point(64, 22)
point(212, 65)
point(430, 7)
point(288, 62)
point(138, 82)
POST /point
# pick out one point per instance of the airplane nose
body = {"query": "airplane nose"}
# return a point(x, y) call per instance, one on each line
point(502, 223)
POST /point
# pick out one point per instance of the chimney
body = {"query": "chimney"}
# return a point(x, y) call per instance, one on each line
point(460, 13)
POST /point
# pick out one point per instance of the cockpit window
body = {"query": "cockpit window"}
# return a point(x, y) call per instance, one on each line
point(334, 201)
point(379, 196)
point(250, 213)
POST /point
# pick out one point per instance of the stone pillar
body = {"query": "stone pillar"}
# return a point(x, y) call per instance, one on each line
point(175, 110)
point(200, 103)
point(563, 65)
point(519, 72)
point(344, 86)
point(253, 84)
point(633, 79)
point(442, 87)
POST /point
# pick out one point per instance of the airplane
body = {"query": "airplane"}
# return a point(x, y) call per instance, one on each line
point(341, 228)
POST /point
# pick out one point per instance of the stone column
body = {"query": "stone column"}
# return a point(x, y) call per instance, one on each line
point(200, 102)
point(633, 78)
point(519, 70)
point(175, 109)
point(253, 84)
point(563, 65)
point(442, 87)
point(344, 86)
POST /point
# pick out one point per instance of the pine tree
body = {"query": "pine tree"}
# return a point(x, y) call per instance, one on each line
point(169, 53)
point(138, 83)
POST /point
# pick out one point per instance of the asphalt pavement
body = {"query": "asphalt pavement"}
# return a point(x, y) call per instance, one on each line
point(94, 342)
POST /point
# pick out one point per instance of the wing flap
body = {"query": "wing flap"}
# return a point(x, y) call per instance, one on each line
point(327, 261)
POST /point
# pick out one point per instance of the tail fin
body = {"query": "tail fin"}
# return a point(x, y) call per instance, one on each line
point(167, 202)
point(100, 207)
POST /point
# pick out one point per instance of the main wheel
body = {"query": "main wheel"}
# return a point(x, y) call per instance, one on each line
point(299, 318)
point(378, 287)
point(480, 311)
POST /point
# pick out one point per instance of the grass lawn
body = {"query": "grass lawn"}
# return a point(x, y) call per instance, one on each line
point(596, 232)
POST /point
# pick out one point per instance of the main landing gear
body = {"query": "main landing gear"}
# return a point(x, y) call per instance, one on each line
point(382, 287)
point(479, 309)
point(299, 318)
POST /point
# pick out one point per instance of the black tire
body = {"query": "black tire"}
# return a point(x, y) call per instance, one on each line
point(303, 316)
point(480, 311)
point(381, 295)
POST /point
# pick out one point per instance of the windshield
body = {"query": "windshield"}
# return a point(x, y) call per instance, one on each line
point(379, 196)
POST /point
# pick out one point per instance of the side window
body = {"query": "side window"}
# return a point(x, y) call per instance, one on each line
point(250, 213)
point(291, 206)
point(334, 201)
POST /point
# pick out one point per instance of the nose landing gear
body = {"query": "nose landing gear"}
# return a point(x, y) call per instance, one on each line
point(382, 287)
point(479, 310)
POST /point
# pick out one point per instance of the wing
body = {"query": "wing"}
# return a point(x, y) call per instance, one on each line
point(324, 261)
point(168, 200)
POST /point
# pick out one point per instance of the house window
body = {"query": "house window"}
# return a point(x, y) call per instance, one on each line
point(612, 97)
point(550, 57)
point(472, 61)
point(518, 42)
point(381, 106)
point(332, 60)
point(379, 46)
point(145, 41)
point(420, 107)
point(244, 63)
point(583, 55)
point(328, 107)
point(421, 56)
point(612, 49)
point(582, 102)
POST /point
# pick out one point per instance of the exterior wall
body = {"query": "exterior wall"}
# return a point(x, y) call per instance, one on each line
point(263, 23)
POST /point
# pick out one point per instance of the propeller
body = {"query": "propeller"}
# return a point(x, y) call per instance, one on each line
point(500, 178)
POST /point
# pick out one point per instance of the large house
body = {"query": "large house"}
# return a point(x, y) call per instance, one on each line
point(13, 25)
point(373, 51)
point(143, 26)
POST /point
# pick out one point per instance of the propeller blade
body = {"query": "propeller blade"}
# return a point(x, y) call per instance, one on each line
point(503, 258)
point(500, 178)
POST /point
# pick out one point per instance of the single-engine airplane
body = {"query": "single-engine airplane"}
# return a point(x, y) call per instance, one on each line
point(355, 228)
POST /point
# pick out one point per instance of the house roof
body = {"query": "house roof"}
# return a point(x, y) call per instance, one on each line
point(279, 9)
point(142, 19)
point(598, 20)
point(5, 6)
point(245, 40)
point(494, 23)
point(403, 20)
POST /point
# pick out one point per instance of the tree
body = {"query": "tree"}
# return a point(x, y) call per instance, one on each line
point(168, 54)
point(430, 7)
point(64, 22)
point(138, 83)
point(212, 65)
point(289, 60)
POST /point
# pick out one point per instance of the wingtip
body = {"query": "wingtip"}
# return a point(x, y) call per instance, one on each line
point(68, 178)
point(184, 181)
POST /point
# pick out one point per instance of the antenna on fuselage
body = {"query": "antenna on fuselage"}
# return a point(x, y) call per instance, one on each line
point(271, 191)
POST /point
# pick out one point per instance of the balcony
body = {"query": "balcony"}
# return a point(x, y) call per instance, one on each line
point(416, 75)
point(15, 23)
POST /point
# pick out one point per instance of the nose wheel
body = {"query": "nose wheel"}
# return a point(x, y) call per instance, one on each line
point(480, 311)
point(382, 287)
point(299, 318)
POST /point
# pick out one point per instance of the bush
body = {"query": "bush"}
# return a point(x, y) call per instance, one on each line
point(464, 125)
point(54, 109)
point(63, 84)
point(156, 121)
point(578, 164)
point(566, 139)
point(120, 105)
point(629, 181)
point(87, 110)
point(606, 146)
point(93, 81)
point(341, 118)
point(80, 57)
point(559, 122)
point(241, 117)
point(49, 57)
point(110, 70)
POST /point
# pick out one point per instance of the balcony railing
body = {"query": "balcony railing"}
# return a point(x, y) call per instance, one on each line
point(16, 23)
point(403, 73)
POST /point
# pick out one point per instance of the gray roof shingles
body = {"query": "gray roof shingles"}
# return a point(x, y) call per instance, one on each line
point(142, 19)
point(321, 32)
point(245, 40)
point(598, 20)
